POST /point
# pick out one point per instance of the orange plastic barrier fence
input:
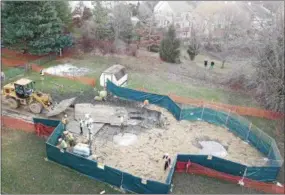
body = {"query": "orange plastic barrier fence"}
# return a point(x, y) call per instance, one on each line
point(193, 168)
point(13, 123)
point(247, 111)
point(42, 130)
point(84, 80)
point(12, 62)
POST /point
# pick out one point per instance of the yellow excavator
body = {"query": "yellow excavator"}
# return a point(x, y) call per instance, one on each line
point(22, 92)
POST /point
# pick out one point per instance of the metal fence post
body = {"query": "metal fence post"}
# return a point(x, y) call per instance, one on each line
point(228, 117)
point(202, 111)
point(269, 150)
point(249, 128)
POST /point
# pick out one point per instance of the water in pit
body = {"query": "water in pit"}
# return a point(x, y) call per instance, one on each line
point(125, 139)
point(213, 148)
point(66, 70)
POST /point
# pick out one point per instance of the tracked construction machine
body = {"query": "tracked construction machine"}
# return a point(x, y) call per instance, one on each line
point(22, 92)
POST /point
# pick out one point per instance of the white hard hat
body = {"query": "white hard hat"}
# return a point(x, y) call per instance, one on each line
point(65, 115)
point(65, 132)
point(87, 115)
point(59, 139)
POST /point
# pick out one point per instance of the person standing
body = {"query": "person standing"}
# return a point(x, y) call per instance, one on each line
point(62, 145)
point(81, 123)
point(122, 125)
point(64, 121)
point(167, 161)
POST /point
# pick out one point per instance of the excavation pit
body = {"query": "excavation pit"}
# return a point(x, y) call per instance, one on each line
point(138, 146)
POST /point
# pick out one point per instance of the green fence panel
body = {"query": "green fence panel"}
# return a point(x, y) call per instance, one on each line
point(160, 100)
point(113, 176)
point(134, 184)
point(263, 174)
point(255, 139)
point(57, 132)
point(47, 122)
point(237, 128)
point(81, 164)
point(209, 116)
point(191, 114)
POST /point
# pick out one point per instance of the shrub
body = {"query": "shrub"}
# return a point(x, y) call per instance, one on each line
point(169, 47)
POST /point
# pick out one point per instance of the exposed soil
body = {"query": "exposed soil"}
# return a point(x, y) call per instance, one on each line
point(139, 150)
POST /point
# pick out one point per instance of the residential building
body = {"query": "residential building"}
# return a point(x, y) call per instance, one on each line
point(178, 13)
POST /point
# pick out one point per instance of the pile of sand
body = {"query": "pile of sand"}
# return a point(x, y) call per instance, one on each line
point(143, 157)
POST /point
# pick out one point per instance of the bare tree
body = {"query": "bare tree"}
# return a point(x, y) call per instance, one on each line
point(269, 65)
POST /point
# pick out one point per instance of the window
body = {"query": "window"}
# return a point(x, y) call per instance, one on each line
point(120, 74)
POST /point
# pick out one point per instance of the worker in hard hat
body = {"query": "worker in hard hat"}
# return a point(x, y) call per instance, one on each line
point(167, 161)
point(81, 124)
point(145, 103)
point(70, 139)
point(64, 121)
point(62, 144)
point(122, 125)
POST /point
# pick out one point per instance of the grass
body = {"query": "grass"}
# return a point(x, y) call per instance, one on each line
point(51, 83)
point(24, 170)
point(160, 85)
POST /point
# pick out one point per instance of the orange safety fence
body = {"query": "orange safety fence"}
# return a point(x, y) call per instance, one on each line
point(84, 80)
point(193, 168)
point(12, 62)
point(245, 111)
point(18, 124)
point(14, 123)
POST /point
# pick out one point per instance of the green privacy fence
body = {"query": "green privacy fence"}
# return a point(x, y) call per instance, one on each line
point(236, 124)
point(105, 173)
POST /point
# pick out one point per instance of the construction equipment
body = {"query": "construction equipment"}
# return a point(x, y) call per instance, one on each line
point(22, 92)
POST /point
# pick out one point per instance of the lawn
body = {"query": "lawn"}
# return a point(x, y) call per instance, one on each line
point(25, 171)
point(158, 84)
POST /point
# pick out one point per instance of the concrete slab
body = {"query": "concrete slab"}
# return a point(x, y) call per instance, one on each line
point(101, 113)
point(73, 126)
point(61, 107)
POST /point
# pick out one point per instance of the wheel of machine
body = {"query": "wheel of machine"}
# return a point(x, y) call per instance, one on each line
point(36, 107)
point(13, 103)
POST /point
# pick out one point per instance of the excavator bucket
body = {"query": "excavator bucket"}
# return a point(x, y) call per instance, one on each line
point(61, 107)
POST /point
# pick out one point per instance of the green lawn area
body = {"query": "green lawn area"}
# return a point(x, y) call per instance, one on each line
point(162, 86)
point(25, 171)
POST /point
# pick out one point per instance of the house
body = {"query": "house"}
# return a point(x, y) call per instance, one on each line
point(178, 13)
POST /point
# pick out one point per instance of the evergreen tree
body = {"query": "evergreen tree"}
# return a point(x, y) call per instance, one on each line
point(63, 10)
point(104, 29)
point(169, 47)
point(33, 26)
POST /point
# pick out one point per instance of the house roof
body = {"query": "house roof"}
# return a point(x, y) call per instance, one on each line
point(176, 6)
point(180, 6)
point(256, 9)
